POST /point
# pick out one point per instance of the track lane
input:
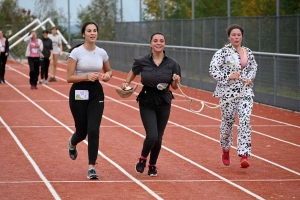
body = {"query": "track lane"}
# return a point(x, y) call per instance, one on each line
point(60, 87)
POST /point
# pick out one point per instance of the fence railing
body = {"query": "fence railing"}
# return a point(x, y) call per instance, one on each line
point(277, 82)
point(263, 33)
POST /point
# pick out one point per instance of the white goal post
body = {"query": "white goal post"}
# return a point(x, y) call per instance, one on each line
point(40, 25)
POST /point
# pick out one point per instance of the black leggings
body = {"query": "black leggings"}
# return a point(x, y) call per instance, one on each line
point(3, 59)
point(45, 62)
point(87, 116)
point(34, 63)
point(155, 122)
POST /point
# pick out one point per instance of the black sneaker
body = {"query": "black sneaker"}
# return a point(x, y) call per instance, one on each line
point(92, 174)
point(140, 166)
point(152, 170)
point(72, 153)
point(52, 79)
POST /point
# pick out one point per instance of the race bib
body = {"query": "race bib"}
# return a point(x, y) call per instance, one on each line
point(229, 60)
point(34, 50)
point(81, 95)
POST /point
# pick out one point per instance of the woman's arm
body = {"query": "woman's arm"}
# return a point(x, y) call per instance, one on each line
point(129, 78)
point(107, 72)
point(175, 81)
point(71, 78)
point(28, 38)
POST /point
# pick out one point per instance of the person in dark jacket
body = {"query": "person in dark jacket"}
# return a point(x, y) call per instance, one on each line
point(4, 51)
point(47, 55)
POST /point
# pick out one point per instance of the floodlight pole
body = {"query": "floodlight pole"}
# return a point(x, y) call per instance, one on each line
point(69, 29)
point(228, 12)
point(277, 25)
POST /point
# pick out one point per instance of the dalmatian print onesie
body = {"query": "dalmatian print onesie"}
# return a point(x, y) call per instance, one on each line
point(225, 62)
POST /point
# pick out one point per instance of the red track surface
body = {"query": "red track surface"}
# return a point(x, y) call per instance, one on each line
point(34, 163)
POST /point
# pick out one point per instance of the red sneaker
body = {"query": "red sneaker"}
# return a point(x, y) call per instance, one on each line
point(244, 161)
point(225, 157)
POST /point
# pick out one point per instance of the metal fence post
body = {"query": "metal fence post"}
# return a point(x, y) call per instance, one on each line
point(275, 80)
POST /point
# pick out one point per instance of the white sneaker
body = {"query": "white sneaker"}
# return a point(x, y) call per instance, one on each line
point(45, 82)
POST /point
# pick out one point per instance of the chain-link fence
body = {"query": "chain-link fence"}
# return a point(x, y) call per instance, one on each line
point(277, 82)
point(263, 34)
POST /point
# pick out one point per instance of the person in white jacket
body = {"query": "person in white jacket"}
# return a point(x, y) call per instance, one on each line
point(33, 53)
point(234, 68)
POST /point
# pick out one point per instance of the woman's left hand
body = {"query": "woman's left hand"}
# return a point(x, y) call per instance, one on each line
point(176, 78)
point(247, 81)
point(105, 77)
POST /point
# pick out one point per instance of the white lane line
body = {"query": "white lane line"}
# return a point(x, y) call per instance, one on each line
point(210, 138)
point(138, 83)
point(137, 133)
point(194, 99)
point(35, 166)
point(157, 180)
point(209, 117)
point(190, 161)
point(151, 192)
point(111, 126)
point(203, 135)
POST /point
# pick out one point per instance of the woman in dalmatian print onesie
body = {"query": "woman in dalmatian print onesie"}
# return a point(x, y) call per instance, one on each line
point(234, 66)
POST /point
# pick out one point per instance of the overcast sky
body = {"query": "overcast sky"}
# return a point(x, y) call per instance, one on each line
point(130, 8)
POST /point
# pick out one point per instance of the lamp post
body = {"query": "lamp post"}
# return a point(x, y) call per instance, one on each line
point(69, 29)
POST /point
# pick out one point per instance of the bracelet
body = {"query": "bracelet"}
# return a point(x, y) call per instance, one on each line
point(87, 77)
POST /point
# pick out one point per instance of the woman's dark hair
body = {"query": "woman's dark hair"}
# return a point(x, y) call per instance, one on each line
point(86, 24)
point(157, 33)
point(82, 32)
point(234, 26)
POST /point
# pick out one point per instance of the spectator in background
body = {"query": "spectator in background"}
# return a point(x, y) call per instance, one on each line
point(45, 60)
point(4, 51)
point(33, 53)
point(56, 52)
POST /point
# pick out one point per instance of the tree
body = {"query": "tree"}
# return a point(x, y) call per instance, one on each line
point(47, 9)
point(13, 16)
point(102, 12)
point(181, 9)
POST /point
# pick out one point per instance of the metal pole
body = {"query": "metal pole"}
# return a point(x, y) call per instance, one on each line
point(193, 21)
point(228, 12)
point(140, 10)
point(277, 26)
point(121, 10)
point(162, 9)
point(69, 32)
point(193, 9)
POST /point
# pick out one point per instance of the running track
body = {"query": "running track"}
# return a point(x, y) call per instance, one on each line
point(35, 126)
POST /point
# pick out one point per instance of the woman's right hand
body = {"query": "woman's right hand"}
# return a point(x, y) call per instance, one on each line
point(124, 85)
point(234, 76)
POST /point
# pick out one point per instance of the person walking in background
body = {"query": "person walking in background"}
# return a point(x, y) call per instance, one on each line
point(56, 52)
point(158, 72)
point(4, 51)
point(33, 53)
point(234, 66)
point(47, 53)
point(86, 97)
